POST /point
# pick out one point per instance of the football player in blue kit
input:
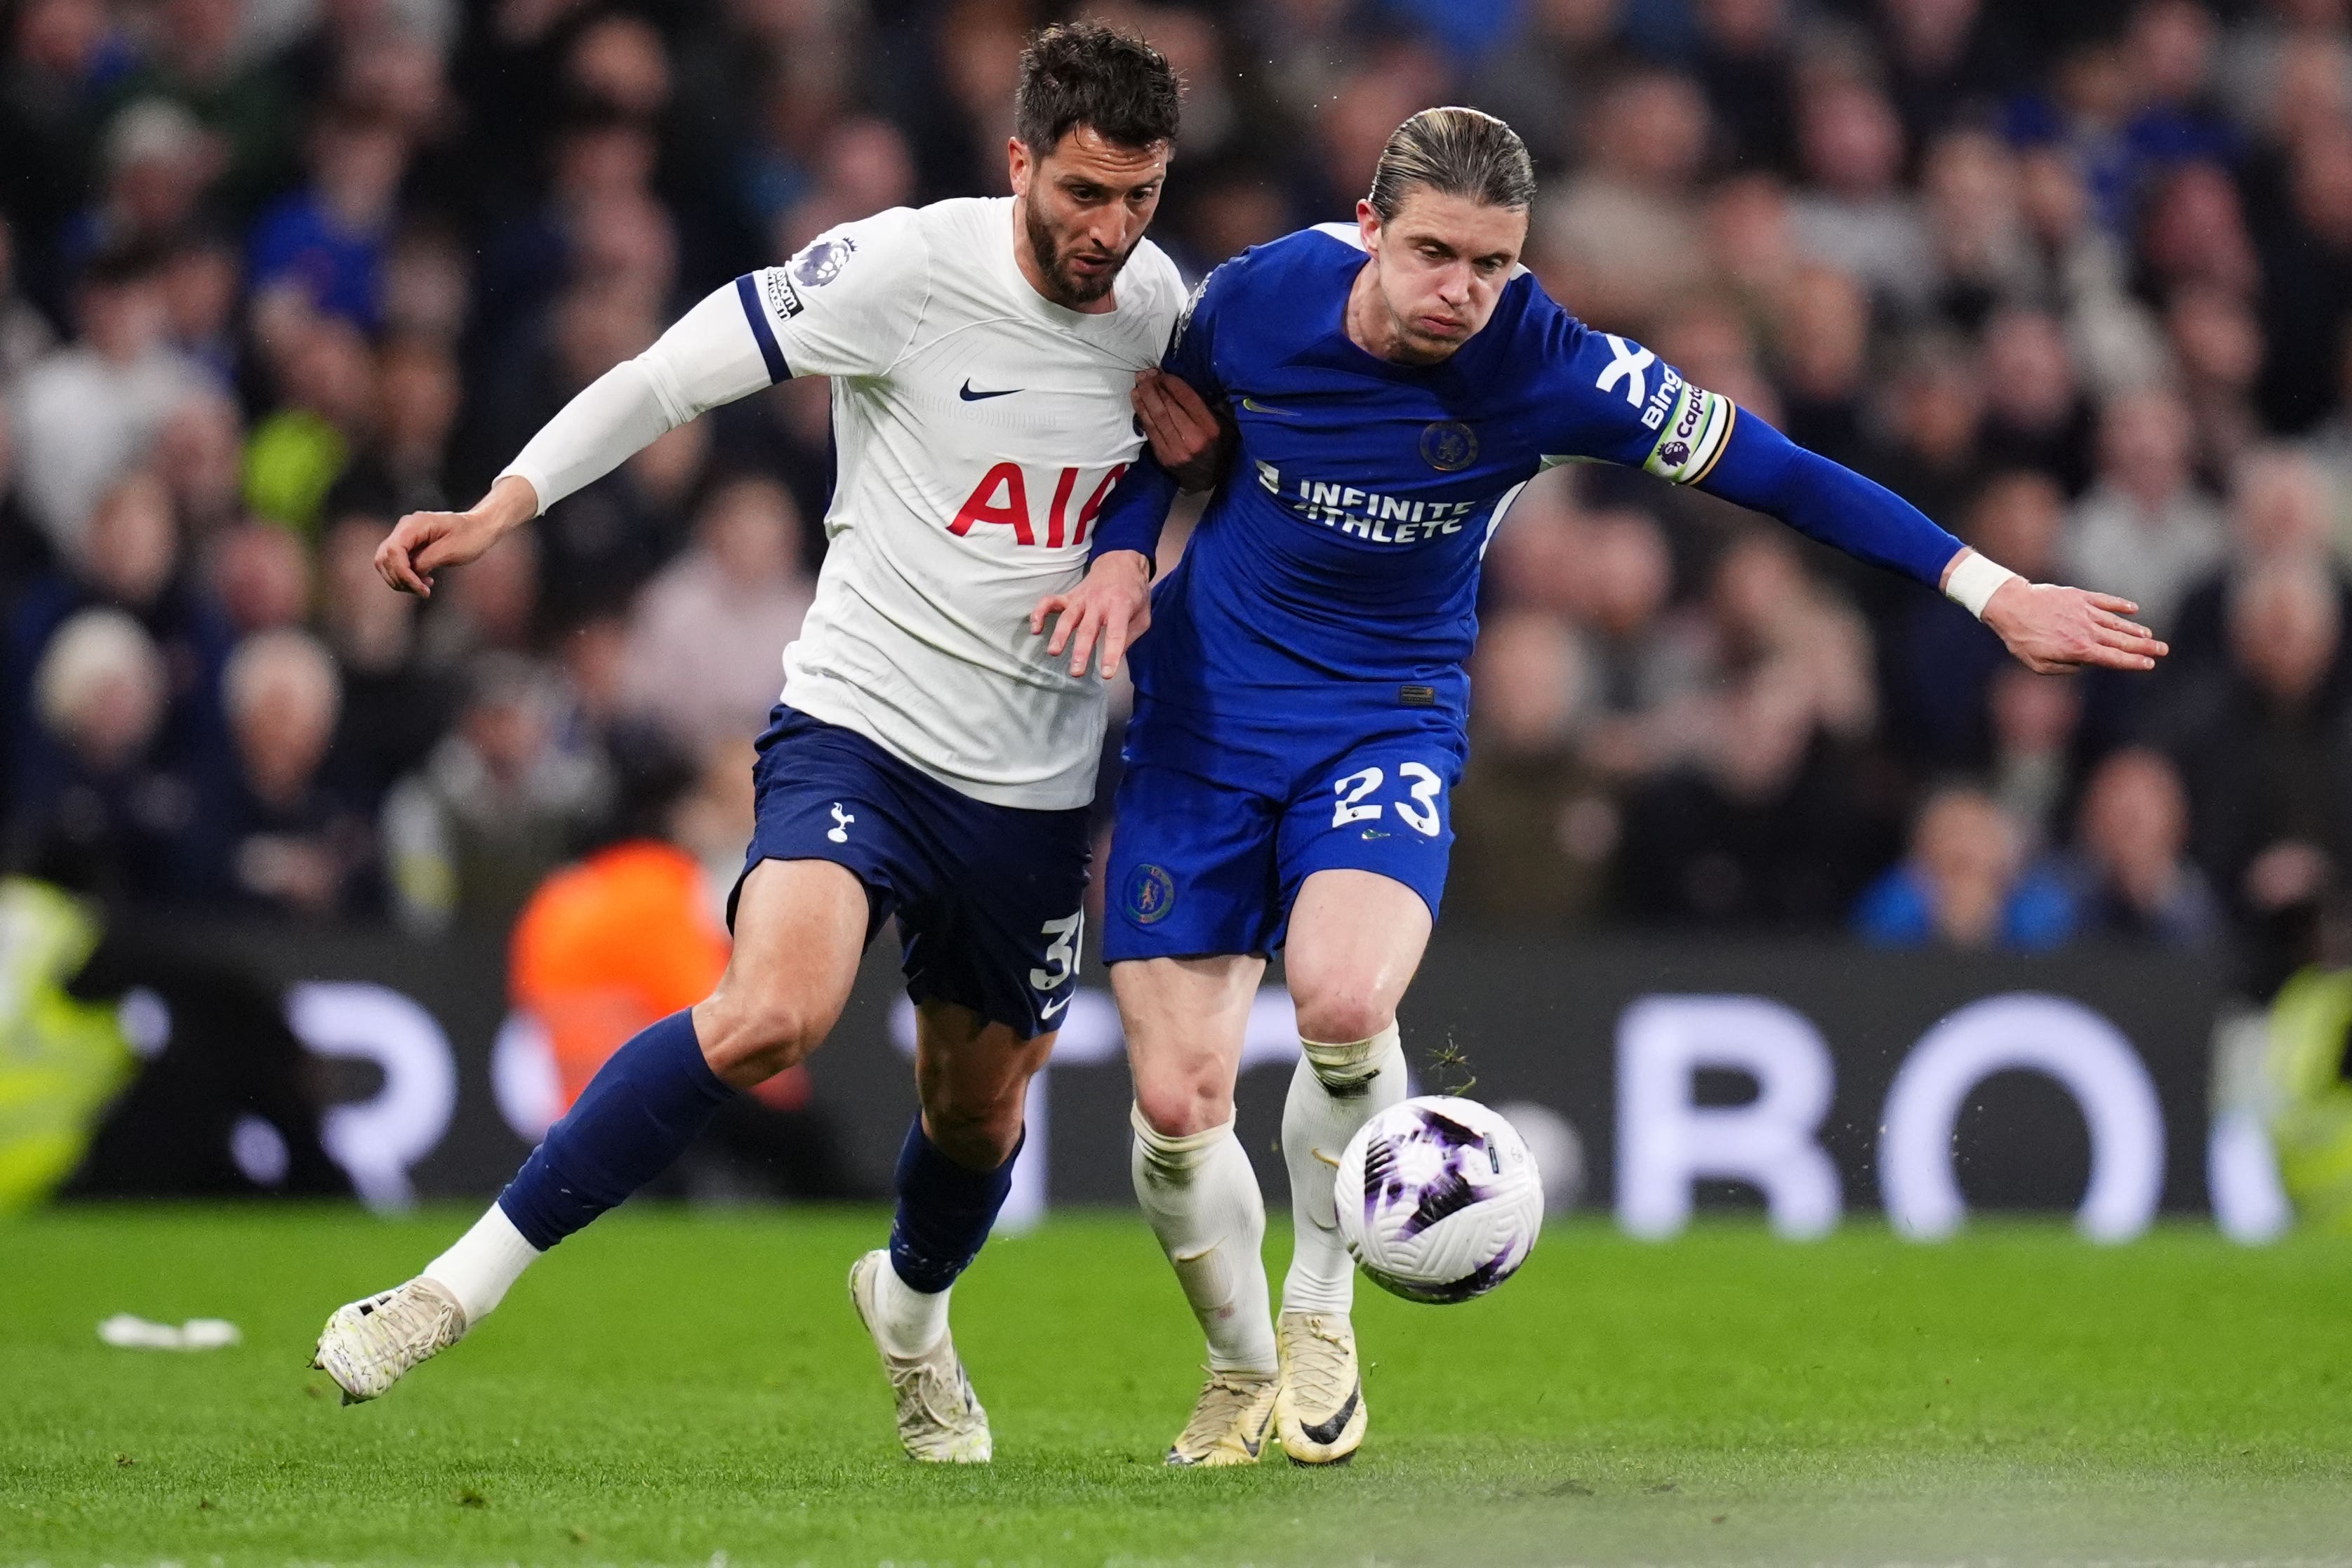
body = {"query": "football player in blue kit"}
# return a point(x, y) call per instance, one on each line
point(1390, 385)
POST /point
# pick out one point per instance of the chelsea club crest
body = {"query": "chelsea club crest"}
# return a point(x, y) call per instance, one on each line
point(1150, 894)
point(1449, 445)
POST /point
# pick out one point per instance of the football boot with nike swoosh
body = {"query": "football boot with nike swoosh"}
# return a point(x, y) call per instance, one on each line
point(1320, 1416)
point(1232, 1422)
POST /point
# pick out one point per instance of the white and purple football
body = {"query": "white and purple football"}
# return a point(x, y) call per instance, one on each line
point(1438, 1199)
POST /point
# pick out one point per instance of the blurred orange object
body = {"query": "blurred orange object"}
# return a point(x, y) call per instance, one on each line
point(611, 944)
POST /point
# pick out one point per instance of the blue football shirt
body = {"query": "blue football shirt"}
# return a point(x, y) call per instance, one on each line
point(1335, 572)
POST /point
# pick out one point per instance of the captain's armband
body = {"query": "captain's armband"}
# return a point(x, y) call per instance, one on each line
point(1695, 428)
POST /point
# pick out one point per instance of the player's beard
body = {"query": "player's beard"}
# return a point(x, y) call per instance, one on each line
point(1069, 287)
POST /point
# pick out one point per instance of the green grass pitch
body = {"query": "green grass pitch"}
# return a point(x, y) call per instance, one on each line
point(694, 1389)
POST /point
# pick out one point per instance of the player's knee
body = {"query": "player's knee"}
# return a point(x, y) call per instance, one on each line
point(1341, 1015)
point(978, 1137)
point(749, 1039)
point(1178, 1106)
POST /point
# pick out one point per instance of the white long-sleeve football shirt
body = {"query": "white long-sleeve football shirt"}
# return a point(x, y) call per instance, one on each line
point(979, 428)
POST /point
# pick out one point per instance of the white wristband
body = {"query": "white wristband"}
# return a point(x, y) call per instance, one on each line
point(1974, 582)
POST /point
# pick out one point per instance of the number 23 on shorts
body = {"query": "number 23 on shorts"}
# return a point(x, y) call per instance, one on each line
point(1360, 796)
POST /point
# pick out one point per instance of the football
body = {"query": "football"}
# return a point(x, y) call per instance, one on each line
point(1438, 1199)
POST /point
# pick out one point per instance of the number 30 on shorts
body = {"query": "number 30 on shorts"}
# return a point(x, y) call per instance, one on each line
point(1418, 806)
point(1069, 933)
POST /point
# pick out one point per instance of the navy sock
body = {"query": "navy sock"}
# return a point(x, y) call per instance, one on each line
point(944, 1211)
point(637, 1114)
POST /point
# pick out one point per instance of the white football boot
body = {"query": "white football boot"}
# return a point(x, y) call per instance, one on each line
point(941, 1420)
point(1320, 1417)
point(1230, 1421)
point(367, 1346)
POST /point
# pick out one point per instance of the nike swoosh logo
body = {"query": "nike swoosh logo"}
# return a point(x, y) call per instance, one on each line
point(1046, 1012)
point(1254, 407)
point(968, 395)
point(1328, 1431)
point(1250, 1445)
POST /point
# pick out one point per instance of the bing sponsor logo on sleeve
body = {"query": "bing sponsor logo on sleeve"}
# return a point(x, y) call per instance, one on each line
point(1627, 363)
point(1693, 423)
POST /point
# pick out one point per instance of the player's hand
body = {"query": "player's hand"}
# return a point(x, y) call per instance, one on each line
point(1112, 604)
point(2057, 630)
point(1184, 431)
point(423, 541)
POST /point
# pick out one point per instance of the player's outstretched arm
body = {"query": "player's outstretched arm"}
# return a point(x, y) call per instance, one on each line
point(2049, 628)
point(2053, 629)
point(708, 356)
point(1111, 605)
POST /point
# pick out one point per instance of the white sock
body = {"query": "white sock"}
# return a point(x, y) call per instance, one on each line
point(1335, 1091)
point(483, 1263)
point(1203, 1201)
point(908, 1321)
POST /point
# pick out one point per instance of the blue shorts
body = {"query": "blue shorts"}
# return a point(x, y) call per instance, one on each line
point(1215, 835)
point(988, 898)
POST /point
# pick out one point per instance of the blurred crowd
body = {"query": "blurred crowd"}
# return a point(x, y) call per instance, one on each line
point(2073, 278)
point(2075, 281)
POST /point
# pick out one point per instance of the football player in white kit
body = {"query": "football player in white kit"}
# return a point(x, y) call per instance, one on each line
point(927, 760)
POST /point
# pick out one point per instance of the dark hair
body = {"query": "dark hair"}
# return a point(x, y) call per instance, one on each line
point(1457, 152)
point(1083, 73)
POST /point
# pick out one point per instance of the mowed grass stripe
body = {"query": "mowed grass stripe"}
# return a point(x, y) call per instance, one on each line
point(670, 1386)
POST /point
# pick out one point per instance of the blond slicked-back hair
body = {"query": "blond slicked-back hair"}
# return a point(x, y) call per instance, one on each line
point(1457, 151)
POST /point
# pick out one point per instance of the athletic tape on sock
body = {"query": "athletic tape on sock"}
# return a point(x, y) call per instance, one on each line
point(1176, 1155)
point(1346, 1068)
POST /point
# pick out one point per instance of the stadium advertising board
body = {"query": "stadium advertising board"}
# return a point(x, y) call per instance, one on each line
point(1654, 1079)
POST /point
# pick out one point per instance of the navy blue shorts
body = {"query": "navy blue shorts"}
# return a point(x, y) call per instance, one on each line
point(1216, 833)
point(988, 897)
